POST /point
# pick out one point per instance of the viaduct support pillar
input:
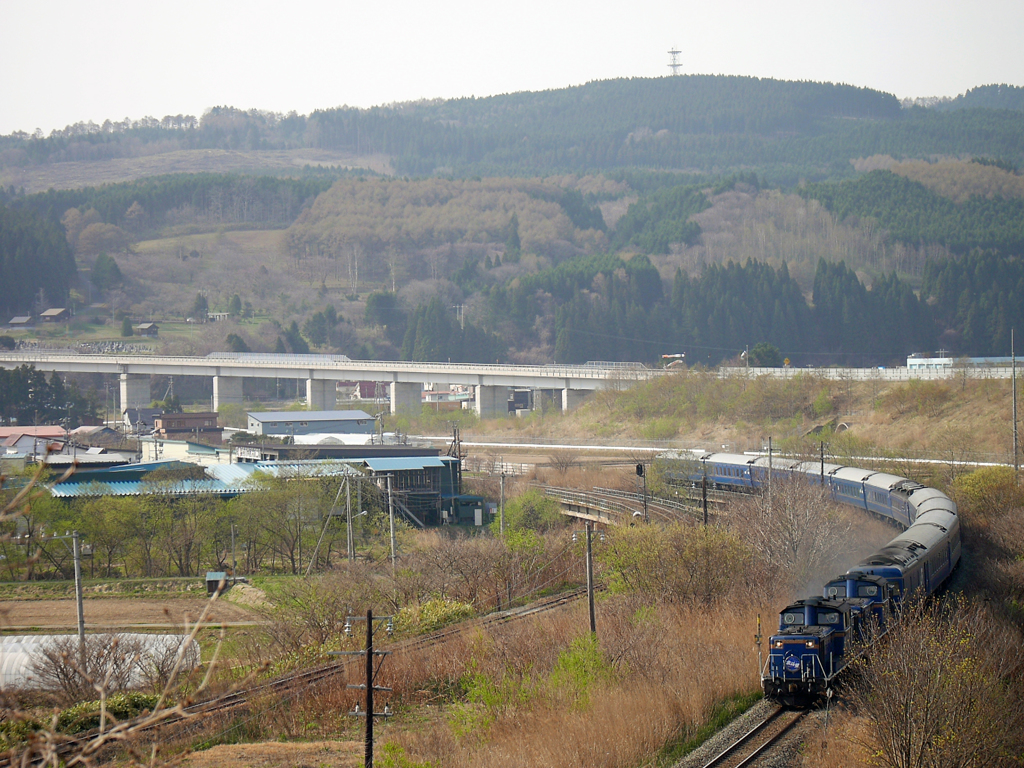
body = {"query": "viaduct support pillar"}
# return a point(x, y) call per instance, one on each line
point(406, 397)
point(321, 395)
point(227, 390)
point(135, 391)
point(491, 402)
point(572, 398)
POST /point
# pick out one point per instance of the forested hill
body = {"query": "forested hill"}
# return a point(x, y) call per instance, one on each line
point(784, 130)
point(912, 213)
point(986, 97)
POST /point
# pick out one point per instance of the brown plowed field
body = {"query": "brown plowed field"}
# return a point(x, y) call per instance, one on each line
point(115, 614)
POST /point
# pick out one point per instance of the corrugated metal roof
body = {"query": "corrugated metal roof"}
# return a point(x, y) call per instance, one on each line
point(221, 480)
point(307, 416)
point(404, 463)
point(306, 468)
point(142, 488)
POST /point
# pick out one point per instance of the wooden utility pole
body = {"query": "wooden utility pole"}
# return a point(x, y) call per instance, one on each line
point(590, 579)
point(501, 507)
point(1013, 359)
point(350, 542)
point(368, 686)
point(704, 491)
point(76, 553)
point(391, 518)
point(368, 762)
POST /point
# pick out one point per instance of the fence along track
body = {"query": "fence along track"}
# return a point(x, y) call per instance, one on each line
point(745, 751)
point(196, 717)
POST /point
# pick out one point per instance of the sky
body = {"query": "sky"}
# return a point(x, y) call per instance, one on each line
point(65, 62)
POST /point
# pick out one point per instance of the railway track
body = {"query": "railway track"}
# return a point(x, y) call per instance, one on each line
point(197, 716)
point(749, 748)
point(619, 507)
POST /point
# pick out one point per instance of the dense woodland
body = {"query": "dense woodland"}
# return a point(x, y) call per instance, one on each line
point(910, 212)
point(27, 397)
point(712, 123)
point(879, 255)
point(36, 262)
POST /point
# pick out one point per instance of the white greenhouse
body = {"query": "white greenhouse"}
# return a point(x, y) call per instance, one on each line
point(131, 659)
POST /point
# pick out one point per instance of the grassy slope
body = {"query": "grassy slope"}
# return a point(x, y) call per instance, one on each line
point(968, 420)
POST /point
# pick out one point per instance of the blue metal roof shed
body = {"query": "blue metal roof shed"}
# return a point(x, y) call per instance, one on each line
point(223, 480)
point(403, 464)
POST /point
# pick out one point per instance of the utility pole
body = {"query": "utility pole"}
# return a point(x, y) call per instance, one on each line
point(350, 541)
point(368, 761)
point(769, 472)
point(501, 508)
point(391, 518)
point(704, 491)
point(77, 554)
point(590, 579)
point(234, 560)
point(1013, 358)
point(368, 686)
point(823, 463)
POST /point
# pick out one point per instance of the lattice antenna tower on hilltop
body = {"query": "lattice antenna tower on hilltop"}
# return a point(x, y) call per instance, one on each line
point(674, 64)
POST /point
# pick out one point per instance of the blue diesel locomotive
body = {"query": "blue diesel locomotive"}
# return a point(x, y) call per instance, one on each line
point(816, 634)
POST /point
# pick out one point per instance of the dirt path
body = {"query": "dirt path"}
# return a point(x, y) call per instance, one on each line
point(115, 613)
point(323, 754)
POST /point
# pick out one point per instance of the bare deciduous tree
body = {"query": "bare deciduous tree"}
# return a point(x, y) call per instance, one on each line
point(945, 691)
point(563, 460)
point(796, 529)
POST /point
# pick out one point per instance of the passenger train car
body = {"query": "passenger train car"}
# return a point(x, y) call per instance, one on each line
point(813, 642)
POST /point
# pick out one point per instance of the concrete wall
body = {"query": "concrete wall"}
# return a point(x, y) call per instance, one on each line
point(321, 395)
point(227, 390)
point(491, 402)
point(406, 397)
point(135, 391)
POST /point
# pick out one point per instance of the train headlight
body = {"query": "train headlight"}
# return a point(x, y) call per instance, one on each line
point(811, 643)
point(777, 644)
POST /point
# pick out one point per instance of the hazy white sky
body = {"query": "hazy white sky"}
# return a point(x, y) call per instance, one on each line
point(67, 61)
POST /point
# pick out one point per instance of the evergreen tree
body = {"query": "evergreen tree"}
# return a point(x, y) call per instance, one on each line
point(513, 246)
point(316, 329)
point(296, 343)
point(105, 273)
point(235, 305)
point(126, 327)
point(200, 308)
point(236, 343)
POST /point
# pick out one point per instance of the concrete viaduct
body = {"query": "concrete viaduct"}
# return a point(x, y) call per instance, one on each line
point(407, 380)
point(322, 372)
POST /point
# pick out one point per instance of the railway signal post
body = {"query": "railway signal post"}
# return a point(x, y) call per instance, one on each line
point(640, 470)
